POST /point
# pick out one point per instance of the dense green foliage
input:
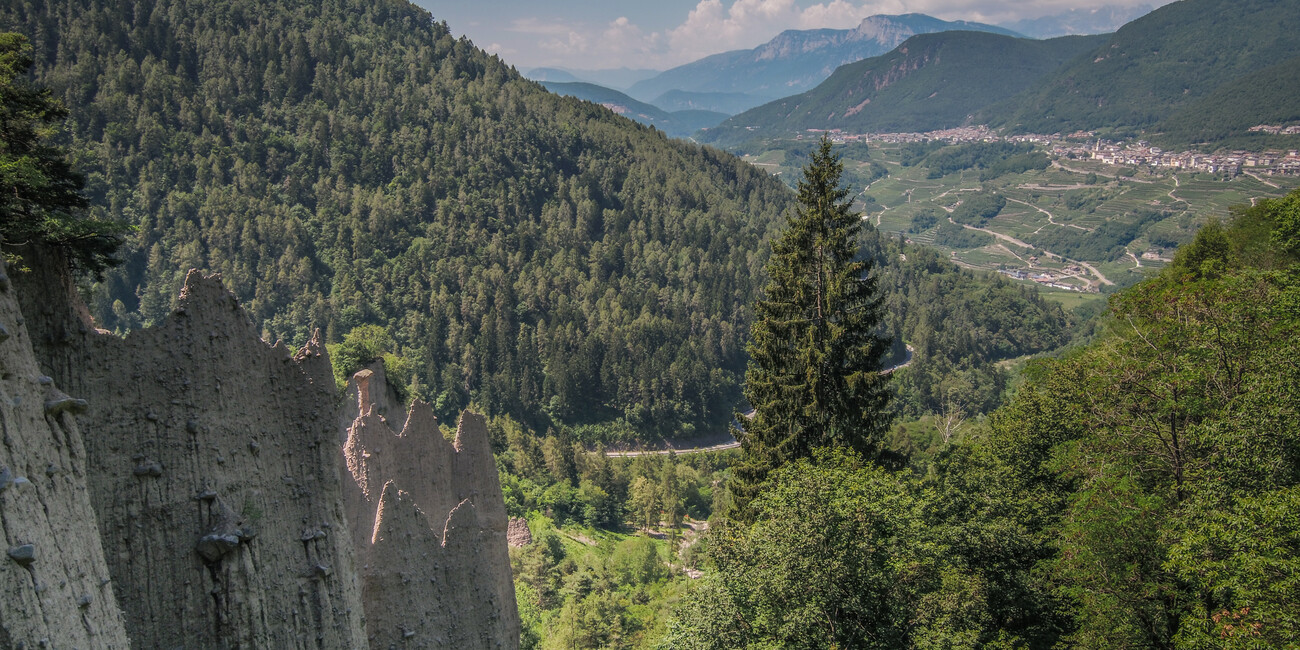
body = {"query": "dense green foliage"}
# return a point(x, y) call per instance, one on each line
point(1108, 241)
point(954, 235)
point(353, 164)
point(587, 581)
point(815, 350)
point(1225, 116)
point(961, 324)
point(1160, 63)
point(924, 220)
point(931, 81)
point(992, 158)
point(976, 209)
point(835, 559)
point(41, 200)
point(1137, 493)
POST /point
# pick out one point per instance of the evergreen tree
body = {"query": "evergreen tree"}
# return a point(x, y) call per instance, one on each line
point(41, 203)
point(815, 350)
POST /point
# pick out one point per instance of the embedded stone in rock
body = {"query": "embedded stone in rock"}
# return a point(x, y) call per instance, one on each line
point(309, 535)
point(59, 406)
point(85, 601)
point(4, 334)
point(206, 495)
point(151, 469)
point(6, 478)
point(215, 547)
point(45, 380)
point(24, 555)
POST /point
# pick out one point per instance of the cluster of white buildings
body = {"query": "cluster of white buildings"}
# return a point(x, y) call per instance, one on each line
point(952, 136)
point(1083, 145)
point(1276, 130)
point(1143, 154)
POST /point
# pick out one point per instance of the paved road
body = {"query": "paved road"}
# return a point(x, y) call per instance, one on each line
point(734, 444)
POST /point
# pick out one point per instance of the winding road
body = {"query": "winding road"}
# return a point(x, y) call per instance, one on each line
point(734, 444)
point(1091, 269)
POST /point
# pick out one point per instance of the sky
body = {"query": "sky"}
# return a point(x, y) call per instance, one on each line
point(660, 34)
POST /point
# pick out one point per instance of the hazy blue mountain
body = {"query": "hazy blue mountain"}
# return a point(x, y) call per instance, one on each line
point(617, 78)
point(1100, 20)
point(796, 60)
point(931, 81)
point(676, 123)
point(552, 74)
point(728, 103)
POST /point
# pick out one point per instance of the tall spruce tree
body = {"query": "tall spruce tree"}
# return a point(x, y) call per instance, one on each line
point(41, 203)
point(815, 351)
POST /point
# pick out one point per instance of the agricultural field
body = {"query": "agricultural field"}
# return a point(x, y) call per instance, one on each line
point(1075, 228)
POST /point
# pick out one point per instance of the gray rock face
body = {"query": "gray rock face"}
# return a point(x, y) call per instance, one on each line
point(222, 498)
point(54, 560)
point(429, 525)
point(169, 414)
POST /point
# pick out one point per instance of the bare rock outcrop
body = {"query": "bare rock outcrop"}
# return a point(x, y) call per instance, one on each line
point(55, 589)
point(518, 534)
point(429, 526)
point(207, 504)
point(212, 468)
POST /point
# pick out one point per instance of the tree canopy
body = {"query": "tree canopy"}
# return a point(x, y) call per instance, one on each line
point(815, 348)
point(41, 200)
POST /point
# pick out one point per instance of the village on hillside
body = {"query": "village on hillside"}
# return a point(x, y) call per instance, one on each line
point(1086, 145)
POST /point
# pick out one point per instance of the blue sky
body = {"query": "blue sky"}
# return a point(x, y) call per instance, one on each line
point(659, 34)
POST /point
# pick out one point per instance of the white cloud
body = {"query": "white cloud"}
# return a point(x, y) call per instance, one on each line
point(539, 27)
point(715, 26)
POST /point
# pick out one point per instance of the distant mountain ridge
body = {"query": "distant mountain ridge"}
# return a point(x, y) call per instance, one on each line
point(616, 78)
point(1157, 65)
point(931, 81)
point(683, 100)
point(1098, 20)
point(674, 123)
point(796, 60)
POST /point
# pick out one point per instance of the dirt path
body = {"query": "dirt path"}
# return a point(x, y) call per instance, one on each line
point(692, 530)
point(1176, 186)
point(1072, 170)
point(1050, 216)
point(1256, 177)
point(1091, 269)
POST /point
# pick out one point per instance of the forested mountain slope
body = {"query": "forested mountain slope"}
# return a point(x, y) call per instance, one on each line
point(353, 167)
point(351, 163)
point(931, 81)
point(1270, 96)
point(1156, 65)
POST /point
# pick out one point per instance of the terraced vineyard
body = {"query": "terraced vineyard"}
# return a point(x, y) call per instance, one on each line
point(1075, 228)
